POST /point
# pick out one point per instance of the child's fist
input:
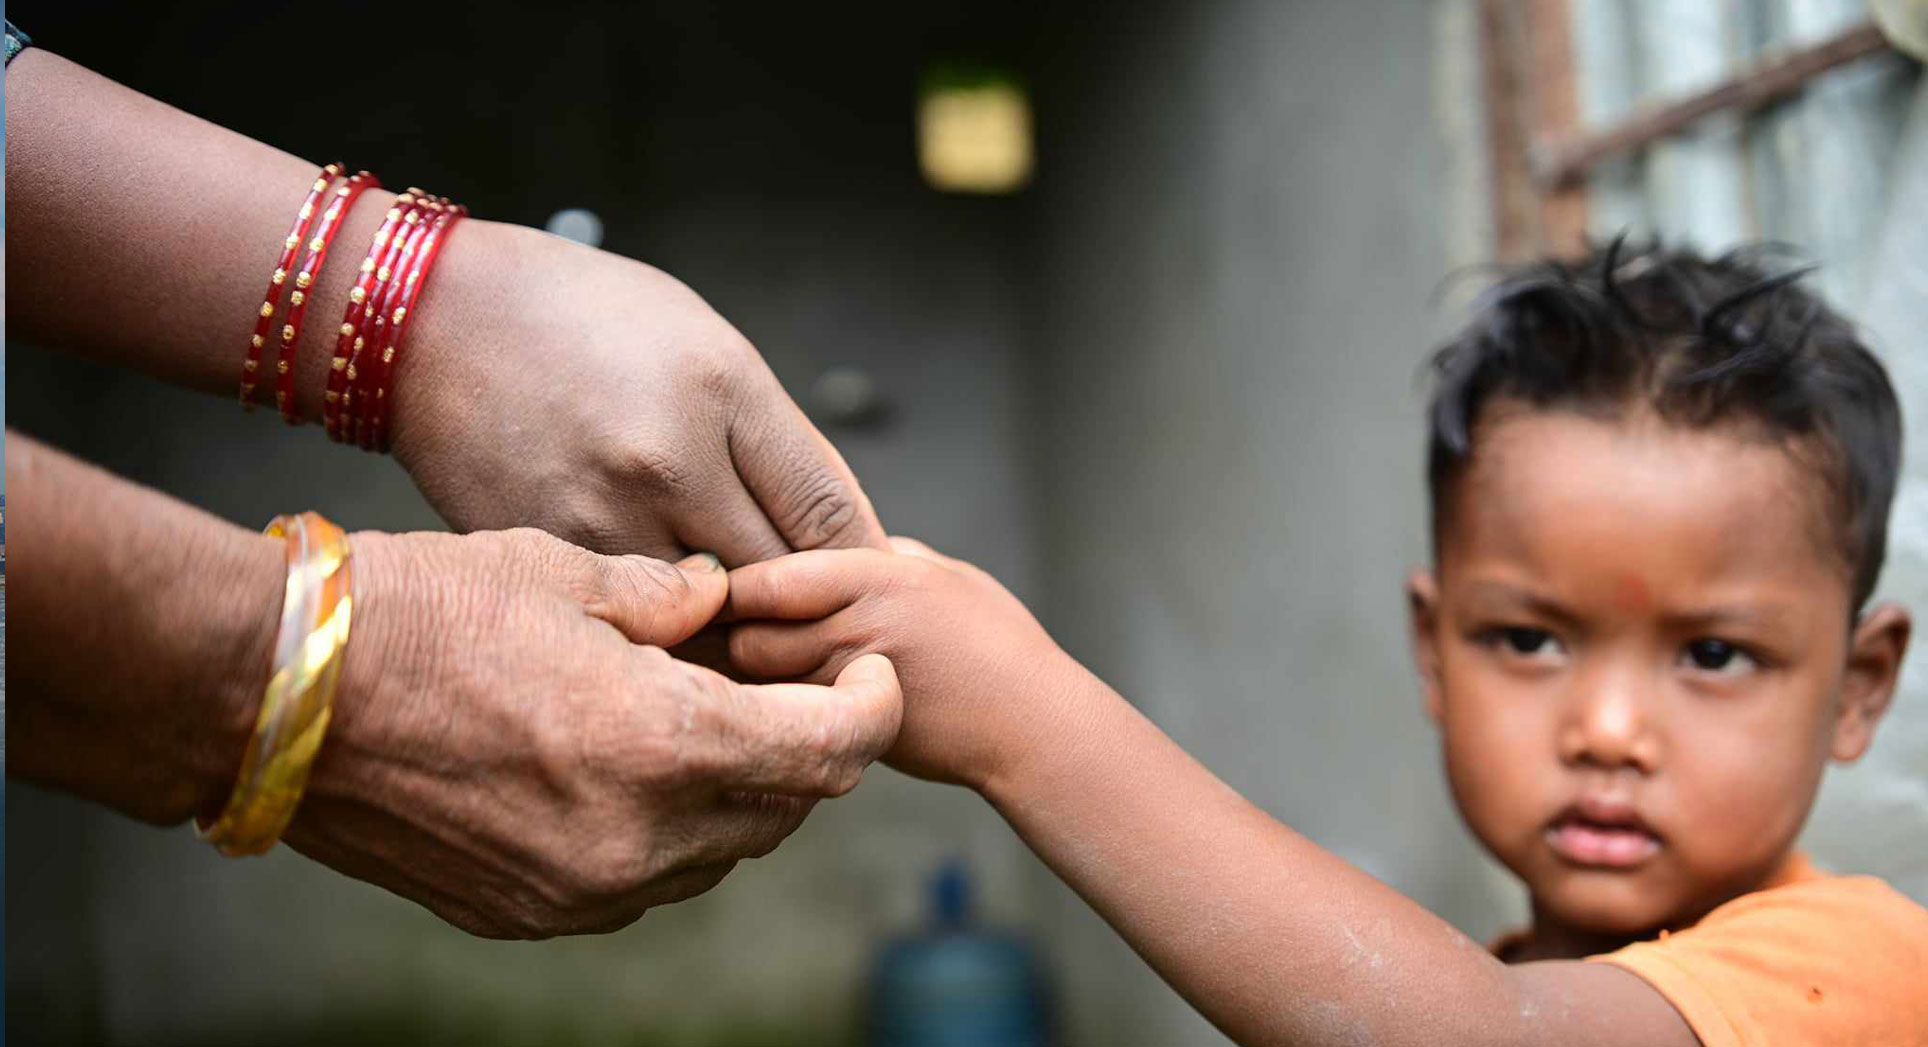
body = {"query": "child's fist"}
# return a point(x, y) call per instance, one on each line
point(979, 674)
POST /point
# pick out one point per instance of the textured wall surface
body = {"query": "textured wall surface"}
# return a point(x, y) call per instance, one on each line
point(1244, 219)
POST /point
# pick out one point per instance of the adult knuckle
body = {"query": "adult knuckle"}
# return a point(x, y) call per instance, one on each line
point(631, 587)
point(555, 750)
point(646, 580)
point(821, 510)
point(716, 372)
point(653, 470)
point(590, 516)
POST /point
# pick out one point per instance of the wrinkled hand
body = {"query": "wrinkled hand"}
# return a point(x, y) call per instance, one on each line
point(981, 678)
point(513, 749)
point(601, 400)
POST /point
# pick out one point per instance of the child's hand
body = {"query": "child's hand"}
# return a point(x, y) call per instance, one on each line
point(982, 681)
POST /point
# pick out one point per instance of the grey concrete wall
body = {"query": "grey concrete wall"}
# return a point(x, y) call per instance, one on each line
point(1243, 217)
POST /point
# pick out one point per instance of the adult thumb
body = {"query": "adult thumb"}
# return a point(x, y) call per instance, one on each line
point(659, 603)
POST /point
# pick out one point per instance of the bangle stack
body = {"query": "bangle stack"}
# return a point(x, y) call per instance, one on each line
point(264, 322)
point(401, 305)
point(331, 219)
point(295, 708)
point(356, 407)
point(357, 401)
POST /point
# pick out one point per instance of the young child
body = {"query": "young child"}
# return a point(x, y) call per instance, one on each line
point(1660, 488)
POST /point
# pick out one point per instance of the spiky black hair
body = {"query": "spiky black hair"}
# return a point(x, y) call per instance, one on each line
point(1699, 341)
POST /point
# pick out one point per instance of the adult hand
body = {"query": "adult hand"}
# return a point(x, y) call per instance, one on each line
point(512, 748)
point(543, 383)
point(599, 399)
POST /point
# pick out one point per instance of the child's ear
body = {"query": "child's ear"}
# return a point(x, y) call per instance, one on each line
point(1422, 606)
point(1875, 650)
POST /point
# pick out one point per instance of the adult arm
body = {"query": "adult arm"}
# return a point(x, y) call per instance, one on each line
point(1272, 938)
point(510, 745)
point(544, 384)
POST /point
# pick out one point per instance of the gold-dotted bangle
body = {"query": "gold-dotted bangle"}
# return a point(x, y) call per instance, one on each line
point(264, 319)
point(295, 708)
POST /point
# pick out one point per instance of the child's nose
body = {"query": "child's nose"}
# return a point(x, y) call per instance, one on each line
point(1610, 724)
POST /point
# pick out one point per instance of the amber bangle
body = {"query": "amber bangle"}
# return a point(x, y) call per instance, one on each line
point(295, 708)
point(337, 400)
point(264, 318)
point(331, 220)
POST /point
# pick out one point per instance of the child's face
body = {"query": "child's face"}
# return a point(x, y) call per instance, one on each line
point(1638, 649)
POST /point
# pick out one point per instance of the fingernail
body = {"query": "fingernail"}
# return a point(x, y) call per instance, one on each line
point(702, 562)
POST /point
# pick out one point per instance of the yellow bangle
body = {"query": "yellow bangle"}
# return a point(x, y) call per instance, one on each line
point(301, 690)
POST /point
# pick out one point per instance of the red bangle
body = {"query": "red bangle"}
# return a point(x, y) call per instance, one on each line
point(363, 367)
point(337, 399)
point(251, 366)
point(384, 365)
point(374, 321)
point(331, 220)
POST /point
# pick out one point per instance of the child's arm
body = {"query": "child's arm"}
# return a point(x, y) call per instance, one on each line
point(1270, 937)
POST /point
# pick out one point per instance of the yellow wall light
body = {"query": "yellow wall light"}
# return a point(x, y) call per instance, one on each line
point(973, 131)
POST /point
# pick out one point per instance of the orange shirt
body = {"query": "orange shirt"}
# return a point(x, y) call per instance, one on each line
point(1810, 959)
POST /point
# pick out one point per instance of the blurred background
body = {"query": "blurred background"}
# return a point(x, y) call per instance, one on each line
point(1125, 302)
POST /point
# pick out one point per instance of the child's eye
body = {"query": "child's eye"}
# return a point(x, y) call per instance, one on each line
point(1525, 641)
point(1718, 656)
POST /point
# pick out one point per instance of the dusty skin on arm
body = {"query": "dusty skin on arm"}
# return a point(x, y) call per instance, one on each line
point(993, 704)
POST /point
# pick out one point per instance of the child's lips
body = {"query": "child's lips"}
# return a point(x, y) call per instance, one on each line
point(1604, 835)
point(1607, 846)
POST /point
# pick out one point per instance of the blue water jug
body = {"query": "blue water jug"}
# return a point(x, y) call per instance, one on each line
point(955, 985)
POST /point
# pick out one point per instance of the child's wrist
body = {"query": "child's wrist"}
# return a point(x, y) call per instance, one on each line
point(1066, 713)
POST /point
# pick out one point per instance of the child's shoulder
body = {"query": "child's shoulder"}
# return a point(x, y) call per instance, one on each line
point(1815, 958)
